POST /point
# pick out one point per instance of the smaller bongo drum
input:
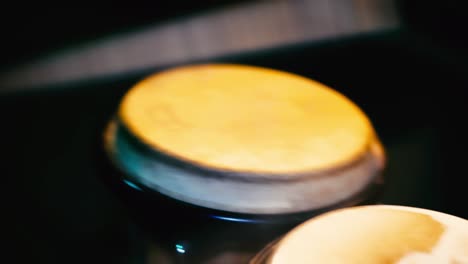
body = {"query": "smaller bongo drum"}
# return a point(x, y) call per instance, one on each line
point(244, 144)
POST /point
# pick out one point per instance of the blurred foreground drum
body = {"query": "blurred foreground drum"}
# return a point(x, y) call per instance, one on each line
point(372, 235)
point(217, 160)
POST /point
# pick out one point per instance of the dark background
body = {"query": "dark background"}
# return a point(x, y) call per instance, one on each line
point(35, 30)
point(31, 30)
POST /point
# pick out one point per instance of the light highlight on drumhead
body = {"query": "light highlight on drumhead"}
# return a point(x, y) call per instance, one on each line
point(245, 118)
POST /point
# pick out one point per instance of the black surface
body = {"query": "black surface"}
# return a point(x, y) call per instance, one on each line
point(57, 210)
point(445, 21)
